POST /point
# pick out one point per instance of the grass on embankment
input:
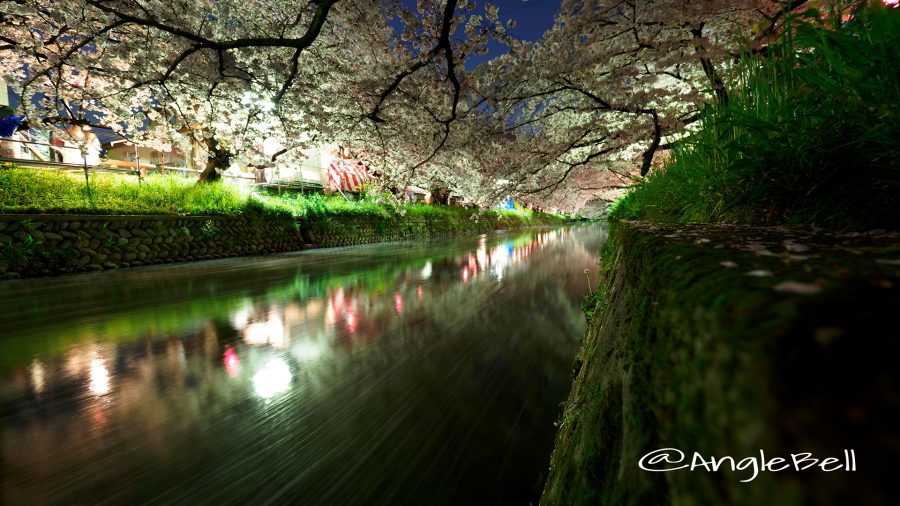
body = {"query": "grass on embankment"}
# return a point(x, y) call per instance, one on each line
point(49, 192)
point(808, 137)
point(41, 191)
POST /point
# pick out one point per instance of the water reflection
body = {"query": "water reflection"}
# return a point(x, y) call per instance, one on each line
point(99, 377)
point(232, 363)
point(38, 374)
point(272, 378)
point(395, 374)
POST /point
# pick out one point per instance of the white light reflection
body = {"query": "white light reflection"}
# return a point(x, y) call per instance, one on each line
point(38, 374)
point(481, 254)
point(99, 378)
point(308, 350)
point(240, 318)
point(256, 334)
point(274, 378)
point(270, 331)
point(498, 271)
point(499, 260)
point(426, 271)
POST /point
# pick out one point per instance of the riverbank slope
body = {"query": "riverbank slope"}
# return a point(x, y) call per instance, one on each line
point(727, 340)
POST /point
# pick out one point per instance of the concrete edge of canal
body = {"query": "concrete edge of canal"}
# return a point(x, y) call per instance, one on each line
point(33, 245)
point(725, 341)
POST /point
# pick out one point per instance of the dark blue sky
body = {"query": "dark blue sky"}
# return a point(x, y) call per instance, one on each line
point(533, 18)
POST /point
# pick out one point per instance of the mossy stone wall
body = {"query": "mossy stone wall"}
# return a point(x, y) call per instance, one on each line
point(345, 230)
point(726, 341)
point(41, 245)
point(36, 245)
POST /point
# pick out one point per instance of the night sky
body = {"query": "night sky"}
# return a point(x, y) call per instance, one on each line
point(533, 18)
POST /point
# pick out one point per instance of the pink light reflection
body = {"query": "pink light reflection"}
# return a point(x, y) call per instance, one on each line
point(352, 322)
point(232, 363)
point(398, 302)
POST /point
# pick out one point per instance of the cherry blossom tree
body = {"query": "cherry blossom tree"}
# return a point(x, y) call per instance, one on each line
point(206, 71)
point(409, 117)
point(610, 85)
point(557, 121)
point(228, 75)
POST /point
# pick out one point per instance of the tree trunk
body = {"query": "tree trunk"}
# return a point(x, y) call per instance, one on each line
point(709, 69)
point(647, 161)
point(217, 161)
point(440, 196)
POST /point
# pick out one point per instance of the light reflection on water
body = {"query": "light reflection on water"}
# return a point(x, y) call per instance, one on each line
point(393, 374)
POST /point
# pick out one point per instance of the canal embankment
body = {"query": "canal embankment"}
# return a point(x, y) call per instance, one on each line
point(745, 314)
point(42, 245)
point(728, 341)
point(57, 223)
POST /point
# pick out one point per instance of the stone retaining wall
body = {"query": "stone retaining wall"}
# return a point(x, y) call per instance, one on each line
point(344, 231)
point(41, 245)
point(37, 245)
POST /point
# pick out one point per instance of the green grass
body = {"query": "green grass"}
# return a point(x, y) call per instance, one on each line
point(46, 191)
point(808, 137)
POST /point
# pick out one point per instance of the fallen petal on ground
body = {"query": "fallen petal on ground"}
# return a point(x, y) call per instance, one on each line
point(798, 287)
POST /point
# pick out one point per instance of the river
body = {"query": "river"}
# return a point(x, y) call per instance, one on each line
point(403, 373)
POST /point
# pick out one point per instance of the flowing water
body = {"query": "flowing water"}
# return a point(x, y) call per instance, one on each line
point(404, 373)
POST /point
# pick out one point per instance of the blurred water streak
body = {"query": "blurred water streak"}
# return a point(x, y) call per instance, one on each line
point(403, 373)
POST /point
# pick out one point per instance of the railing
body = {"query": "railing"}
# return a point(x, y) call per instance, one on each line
point(38, 159)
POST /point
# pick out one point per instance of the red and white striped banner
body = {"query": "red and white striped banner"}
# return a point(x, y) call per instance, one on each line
point(348, 176)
